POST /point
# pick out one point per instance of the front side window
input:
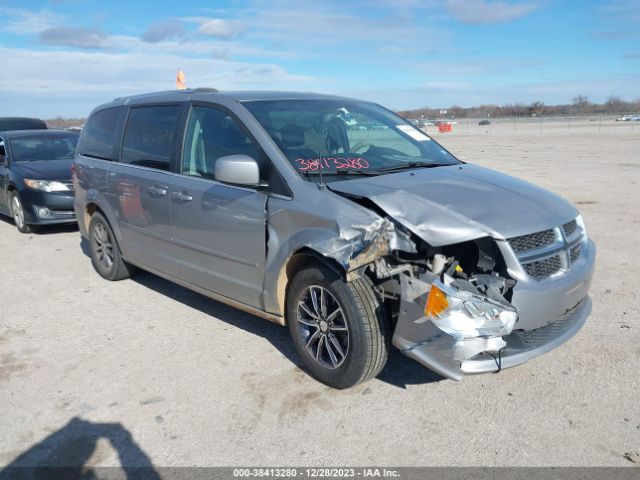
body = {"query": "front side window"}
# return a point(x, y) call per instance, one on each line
point(337, 137)
point(43, 147)
point(212, 133)
point(150, 136)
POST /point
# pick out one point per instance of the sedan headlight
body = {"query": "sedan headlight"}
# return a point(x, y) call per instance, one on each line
point(463, 314)
point(46, 185)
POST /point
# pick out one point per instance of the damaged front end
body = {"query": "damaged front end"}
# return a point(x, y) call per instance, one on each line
point(467, 306)
point(451, 305)
point(447, 317)
point(454, 307)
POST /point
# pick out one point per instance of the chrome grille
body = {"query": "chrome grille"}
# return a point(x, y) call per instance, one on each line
point(570, 228)
point(545, 253)
point(543, 268)
point(574, 252)
point(532, 241)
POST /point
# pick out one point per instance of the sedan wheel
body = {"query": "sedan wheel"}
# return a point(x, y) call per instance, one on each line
point(17, 212)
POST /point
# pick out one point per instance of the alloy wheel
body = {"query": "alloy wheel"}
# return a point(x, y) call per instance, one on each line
point(322, 326)
point(18, 212)
point(103, 246)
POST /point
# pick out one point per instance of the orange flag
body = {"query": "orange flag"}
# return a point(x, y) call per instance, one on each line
point(181, 80)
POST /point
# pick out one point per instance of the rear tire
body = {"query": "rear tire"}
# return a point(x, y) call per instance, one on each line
point(341, 335)
point(106, 257)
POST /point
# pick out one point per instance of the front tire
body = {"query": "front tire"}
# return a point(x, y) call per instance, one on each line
point(105, 253)
point(338, 328)
point(17, 212)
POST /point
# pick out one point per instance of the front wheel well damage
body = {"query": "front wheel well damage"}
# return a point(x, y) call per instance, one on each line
point(296, 262)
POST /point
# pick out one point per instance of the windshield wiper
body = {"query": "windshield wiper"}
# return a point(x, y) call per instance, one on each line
point(407, 165)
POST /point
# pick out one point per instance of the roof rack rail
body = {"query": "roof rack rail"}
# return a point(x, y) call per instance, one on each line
point(205, 89)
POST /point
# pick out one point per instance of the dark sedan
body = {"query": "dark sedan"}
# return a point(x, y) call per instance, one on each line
point(21, 123)
point(35, 177)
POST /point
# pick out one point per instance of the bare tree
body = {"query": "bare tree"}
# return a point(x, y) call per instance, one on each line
point(615, 104)
point(581, 104)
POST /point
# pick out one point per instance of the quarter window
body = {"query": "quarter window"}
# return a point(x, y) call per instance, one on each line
point(100, 134)
point(211, 134)
point(150, 136)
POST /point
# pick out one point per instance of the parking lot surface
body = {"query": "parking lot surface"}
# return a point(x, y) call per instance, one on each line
point(143, 371)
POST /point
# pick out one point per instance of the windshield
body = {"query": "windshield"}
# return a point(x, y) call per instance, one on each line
point(44, 147)
point(339, 137)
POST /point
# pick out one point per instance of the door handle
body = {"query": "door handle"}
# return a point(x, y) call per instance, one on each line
point(157, 190)
point(181, 196)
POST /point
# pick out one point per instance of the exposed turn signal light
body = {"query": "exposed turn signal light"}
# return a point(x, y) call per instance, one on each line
point(436, 302)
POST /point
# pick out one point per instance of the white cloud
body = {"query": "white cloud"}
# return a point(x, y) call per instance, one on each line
point(27, 22)
point(74, 37)
point(164, 30)
point(191, 48)
point(483, 11)
point(216, 27)
point(99, 76)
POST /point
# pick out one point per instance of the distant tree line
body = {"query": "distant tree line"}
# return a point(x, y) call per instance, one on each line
point(579, 105)
point(60, 122)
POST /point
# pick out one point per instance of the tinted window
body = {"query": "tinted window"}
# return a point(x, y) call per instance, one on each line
point(44, 147)
point(211, 134)
point(150, 136)
point(99, 136)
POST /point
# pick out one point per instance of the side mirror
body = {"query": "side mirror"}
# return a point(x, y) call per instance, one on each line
point(238, 169)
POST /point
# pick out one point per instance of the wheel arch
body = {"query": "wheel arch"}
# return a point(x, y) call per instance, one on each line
point(296, 262)
point(94, 206)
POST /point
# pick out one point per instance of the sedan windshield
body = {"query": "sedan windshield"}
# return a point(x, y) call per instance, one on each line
point(338, 137)
point(43, 147)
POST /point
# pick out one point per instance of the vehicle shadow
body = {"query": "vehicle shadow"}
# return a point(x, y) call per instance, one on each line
point(67, 453)
point(400, 370)
point(45, 229)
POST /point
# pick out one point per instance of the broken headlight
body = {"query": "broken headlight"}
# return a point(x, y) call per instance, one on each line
point(463, 314)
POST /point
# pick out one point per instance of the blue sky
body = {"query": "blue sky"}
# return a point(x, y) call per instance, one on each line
point(64, 57)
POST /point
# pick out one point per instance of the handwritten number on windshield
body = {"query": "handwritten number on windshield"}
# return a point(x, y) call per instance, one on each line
point(314, 164)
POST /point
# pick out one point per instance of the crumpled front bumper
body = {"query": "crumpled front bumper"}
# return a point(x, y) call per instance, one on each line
point(420, 339)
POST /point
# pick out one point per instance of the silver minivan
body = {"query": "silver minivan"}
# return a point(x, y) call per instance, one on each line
point(336, 218)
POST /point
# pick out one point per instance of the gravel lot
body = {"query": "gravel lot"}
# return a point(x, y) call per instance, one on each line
point(144, 371)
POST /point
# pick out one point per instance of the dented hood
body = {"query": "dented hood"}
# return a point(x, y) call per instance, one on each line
point(452, 204)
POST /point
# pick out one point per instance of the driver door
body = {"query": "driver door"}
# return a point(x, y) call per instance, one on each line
point(218, 229)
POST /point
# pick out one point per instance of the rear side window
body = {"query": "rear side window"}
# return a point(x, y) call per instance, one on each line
point(100, 134)
point(150, 136)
